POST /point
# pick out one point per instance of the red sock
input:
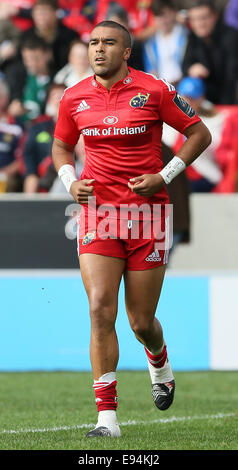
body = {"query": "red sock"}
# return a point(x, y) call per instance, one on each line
point(106, 395)
point(157, 360)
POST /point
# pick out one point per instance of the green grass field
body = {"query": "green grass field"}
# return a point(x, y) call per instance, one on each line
point(53, 410)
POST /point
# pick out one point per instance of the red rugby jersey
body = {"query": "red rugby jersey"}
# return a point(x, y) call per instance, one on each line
point(122, 131)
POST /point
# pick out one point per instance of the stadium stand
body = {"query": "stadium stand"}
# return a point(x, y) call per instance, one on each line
point(75, 18)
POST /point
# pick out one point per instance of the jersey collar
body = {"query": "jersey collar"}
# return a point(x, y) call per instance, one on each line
point(121, 83)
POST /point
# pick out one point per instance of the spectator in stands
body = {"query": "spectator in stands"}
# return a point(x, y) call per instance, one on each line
point(40, 173)
point(163, 52)
point(211, 52)
point(78, 15)
point(9, 37)
point(117, 13)
point(18, 11)
point(10, 140)
point(50, 28)
point(215, 169)
point(29, 79)
point(77, 68)
point(140, 17)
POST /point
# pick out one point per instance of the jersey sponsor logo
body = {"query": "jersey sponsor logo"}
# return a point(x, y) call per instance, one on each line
point(139, 100)
point(82, 106)
point(88, 238)
point(95, 131)
point(184, 106)
point(155, 256)
point(110, 120)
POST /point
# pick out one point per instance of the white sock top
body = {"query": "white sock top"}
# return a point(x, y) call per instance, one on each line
point(108, 377)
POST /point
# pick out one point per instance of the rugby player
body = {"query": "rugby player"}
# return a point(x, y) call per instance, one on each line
point(120, 112)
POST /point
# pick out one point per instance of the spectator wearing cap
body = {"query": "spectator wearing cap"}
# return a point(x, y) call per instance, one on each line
point(51, 29)
point(211, 52)
point(163, 52)
point(209, 172)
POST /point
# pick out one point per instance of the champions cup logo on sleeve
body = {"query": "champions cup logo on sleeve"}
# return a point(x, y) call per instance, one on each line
point(183, 105)
point(139, 100)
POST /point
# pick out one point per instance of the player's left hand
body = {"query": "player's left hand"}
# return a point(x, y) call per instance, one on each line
point(146, 185)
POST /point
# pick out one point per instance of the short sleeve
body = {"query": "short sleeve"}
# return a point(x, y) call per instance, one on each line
point(66, 129)
point(174, 110)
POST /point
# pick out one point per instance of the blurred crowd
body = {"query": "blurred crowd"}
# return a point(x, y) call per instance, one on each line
point(43, 49)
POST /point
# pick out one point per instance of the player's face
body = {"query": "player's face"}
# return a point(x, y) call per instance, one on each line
point(107, 52)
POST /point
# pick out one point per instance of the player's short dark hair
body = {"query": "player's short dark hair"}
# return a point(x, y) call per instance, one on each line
point(202, 3)
point(35, 42)
point(158, 6)
point(51, 3)
point(113, 24)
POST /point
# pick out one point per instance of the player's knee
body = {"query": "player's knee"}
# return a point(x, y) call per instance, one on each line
point(141, 328)
point(102, 313)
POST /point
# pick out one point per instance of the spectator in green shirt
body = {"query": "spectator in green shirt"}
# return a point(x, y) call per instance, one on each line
point(29, 79)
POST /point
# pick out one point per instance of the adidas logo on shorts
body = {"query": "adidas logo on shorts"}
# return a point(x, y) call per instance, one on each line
point(155, 256)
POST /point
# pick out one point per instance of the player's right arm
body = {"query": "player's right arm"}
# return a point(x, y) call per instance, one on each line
point(63, 159)
point(65, 138)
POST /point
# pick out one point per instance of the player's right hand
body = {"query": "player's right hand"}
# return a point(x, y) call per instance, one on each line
point(82, 190)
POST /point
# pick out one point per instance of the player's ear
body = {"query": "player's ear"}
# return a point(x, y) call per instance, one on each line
point(127, 53)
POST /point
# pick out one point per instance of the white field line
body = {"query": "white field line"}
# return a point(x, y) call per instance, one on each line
point(172, 419)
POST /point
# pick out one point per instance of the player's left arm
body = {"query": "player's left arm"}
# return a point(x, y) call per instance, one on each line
point(178, 114)
point(198, 139)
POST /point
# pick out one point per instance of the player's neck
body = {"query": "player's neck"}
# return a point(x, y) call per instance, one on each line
point(108, 82)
